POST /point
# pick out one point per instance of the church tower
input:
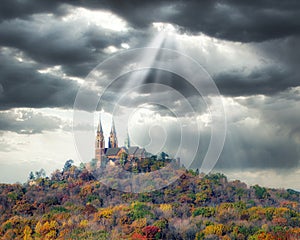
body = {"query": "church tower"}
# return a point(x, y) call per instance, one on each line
point(112, 141)
point(99, 143)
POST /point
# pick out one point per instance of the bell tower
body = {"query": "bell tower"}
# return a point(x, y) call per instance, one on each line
point(112, 141)
point(99, 143)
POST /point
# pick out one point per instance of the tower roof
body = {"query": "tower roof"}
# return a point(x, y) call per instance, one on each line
point(100, 125)
point(113, 128)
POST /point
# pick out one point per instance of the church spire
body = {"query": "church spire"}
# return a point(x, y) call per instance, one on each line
point(113, 142)
point(99, 143)
point(100, 125)
point(113, 128)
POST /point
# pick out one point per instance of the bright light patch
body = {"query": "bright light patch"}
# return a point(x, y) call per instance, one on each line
point(56, 70)
point(164, 27)
point(110, 49)
point(99, 18)
point(125, 45)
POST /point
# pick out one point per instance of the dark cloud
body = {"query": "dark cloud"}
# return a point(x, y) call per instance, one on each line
point(266, 135)
point(28, 122)
point(258, 138)
point(265, 80)
point(23, 9)
point(258, 148)
point(171, 93)
point(285, 51)
point(23, 86)
point(281, 112)
point(53, 42)
point(233, 20)
point(76, 45)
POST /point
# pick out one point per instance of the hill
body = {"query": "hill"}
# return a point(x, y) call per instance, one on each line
point(72, 204)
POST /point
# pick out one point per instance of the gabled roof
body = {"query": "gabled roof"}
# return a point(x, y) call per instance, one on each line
point(132, 150)
point(112, 151)
point(140, 151)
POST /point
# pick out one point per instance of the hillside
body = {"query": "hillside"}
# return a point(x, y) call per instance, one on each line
point(72, 204)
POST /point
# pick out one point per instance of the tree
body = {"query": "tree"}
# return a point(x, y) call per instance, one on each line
point(27, 233)
point(93, 163)
point(40, 174)
point(163, 156)
point(31, 176)
point(82, 166)
point(260, 192)
point(150, 231)
point(68, 165)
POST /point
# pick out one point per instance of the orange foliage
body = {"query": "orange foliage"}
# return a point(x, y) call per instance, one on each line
point(265, 236)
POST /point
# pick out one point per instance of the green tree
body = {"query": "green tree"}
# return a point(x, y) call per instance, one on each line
point(40, 174)
point(260, 192)
point(68, 165)
point(31, 176)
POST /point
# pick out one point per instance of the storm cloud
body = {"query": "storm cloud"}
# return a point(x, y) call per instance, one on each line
point(233, 20)
point(28, 122)
point(24, 86)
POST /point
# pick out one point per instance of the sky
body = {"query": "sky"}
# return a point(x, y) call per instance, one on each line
point(250, 49)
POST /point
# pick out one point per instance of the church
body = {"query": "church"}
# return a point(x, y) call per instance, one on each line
point(113, 153)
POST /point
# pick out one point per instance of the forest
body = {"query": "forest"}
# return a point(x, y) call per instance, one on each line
point(73, 204)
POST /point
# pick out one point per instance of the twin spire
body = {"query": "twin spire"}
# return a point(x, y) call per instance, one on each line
point(113, 128)
point(100, 149)
point(112, 140)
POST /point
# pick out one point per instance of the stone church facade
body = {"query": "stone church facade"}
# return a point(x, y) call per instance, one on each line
point(113, 152)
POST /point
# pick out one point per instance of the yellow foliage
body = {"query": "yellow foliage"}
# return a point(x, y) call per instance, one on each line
point(257, 213)
point(51, 235)
point(165, 207)
point(45, 228)
point(265, 227)
point(38, 228)
point(48, 229)
point(217, 229)
point(27, 233)
point(279, 212)
point(121, 207)
point(105, 213)
point(139, 223)
point(226, 206)
point(53, 225)
point(83, 223)
point(70, 222)
point(86, 190)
